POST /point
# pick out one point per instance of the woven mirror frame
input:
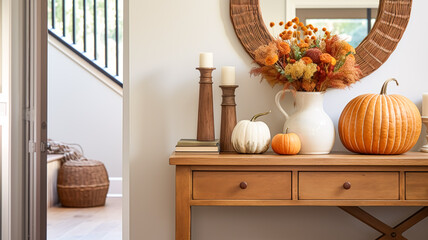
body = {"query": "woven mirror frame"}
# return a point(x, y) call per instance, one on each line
point(373, 51)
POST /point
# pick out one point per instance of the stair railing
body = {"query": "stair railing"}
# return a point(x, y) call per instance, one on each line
point(92, 29)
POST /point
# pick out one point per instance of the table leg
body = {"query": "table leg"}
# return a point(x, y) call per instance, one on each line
point(183, 191)
point(388, 232)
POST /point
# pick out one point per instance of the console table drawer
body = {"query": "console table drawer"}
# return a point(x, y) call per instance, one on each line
point(416, 185)
point(348, 185)
point(241, 185)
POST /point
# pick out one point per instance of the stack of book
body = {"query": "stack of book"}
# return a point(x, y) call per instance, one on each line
point(195, 146)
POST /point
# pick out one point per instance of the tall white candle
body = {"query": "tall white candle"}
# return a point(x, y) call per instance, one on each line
point(227, 75)
point(206, 60)
point(425, 105)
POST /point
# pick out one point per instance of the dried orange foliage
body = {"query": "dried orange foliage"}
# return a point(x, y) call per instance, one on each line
point(305, 59)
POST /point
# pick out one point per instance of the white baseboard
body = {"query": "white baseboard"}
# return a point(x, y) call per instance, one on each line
point(115, 189)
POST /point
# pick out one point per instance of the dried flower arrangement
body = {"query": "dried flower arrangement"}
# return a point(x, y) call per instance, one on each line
point(305, 59)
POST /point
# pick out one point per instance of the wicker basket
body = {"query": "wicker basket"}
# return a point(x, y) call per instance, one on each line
point(82, 183)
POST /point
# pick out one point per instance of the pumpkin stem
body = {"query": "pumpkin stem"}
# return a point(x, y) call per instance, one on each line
point(253, 119)
point(385, 85)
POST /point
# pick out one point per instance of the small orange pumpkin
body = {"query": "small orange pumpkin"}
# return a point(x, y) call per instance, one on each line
point(380, 123)
point(286, 143)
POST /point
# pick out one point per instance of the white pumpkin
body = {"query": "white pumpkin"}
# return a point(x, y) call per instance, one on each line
point(250, 136)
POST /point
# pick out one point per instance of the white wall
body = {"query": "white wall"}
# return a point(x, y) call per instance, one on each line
point(165, 38)
point(83, 110)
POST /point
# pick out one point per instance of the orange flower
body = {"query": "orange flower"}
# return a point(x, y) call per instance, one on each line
point(348, 48)
point(309, 33)
point(327, 58)
point(291, 61)
point(286, 36)
point(266, 53)
point(307, 60)
point(289, 23)
point(272, 59)
point(303, 45)
point(289, 32)
point(283, 47)
point(301, 24)
point(324, 29)
point(308, 86)
point(315, 30)
point(272, 24)
point(294, 26)
point(281, 23)
point(304, 28)
point(313, 37)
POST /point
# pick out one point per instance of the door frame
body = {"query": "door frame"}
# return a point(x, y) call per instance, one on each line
point(13, 78)
point(23, 71)
point(14, 65)
point(36, 123)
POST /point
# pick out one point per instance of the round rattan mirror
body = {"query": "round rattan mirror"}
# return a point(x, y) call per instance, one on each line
point(372, 52)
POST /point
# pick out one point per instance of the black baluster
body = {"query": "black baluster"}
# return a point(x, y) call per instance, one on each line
point(95, 30)
point(117, 37)
point(53, 14)
point(84, 25)
point(74, 21)
point(105, 34)
point(63, 18)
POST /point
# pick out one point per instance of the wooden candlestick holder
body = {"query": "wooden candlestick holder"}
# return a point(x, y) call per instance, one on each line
point(205, 109)
point(228, 117)
point(424, 148)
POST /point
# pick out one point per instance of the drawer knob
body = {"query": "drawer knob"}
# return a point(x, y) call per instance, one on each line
point(243, 185)
point(347, 185)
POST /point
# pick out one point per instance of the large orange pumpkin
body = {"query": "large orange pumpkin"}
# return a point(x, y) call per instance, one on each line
point(380, 123)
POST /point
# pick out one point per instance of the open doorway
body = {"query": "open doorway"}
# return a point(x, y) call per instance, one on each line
point(85, 112)
point(23, 120)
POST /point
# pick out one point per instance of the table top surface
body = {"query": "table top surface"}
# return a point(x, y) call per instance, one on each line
point(54, 157)
point(272, 159)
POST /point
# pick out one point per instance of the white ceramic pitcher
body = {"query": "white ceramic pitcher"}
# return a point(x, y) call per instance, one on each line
point(309, 122)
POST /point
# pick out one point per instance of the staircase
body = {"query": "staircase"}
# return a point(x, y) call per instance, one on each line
point(92, 29)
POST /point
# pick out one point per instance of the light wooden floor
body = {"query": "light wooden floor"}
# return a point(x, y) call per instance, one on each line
point(86, 223)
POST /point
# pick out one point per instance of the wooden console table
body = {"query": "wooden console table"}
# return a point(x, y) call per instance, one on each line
point(343, 180)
